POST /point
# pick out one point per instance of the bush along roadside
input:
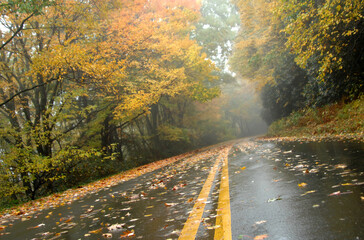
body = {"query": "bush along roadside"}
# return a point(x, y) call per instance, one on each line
point(340, 119)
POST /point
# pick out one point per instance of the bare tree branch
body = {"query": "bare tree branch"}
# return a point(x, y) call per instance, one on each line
point(25, 90)
point(17, 31)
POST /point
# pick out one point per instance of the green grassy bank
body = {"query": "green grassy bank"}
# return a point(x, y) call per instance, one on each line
point(333, 119)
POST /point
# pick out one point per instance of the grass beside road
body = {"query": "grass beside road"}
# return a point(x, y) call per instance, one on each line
point(344, 120)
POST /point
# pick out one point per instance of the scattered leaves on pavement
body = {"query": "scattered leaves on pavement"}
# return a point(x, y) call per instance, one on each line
point(261, 237)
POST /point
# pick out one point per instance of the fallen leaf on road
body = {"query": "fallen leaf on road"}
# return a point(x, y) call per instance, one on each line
point(243, 168)
point(107, 235)
point(127, 234)
point(335, 193)
point(274, 199)
point(308, 192)
point(302, 184)
point(45, 234)
point(260, 237)
point(170, 204)
point(260, 222)
point(339, 193)
point(96, 231)
point(214, 227)
point(342, 166)
point(38, 226)
point(116, 227)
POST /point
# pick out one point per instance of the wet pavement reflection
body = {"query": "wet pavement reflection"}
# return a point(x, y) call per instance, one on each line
point(298, 190)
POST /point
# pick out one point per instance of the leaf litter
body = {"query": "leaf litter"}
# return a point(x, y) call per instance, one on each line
point(165, 180)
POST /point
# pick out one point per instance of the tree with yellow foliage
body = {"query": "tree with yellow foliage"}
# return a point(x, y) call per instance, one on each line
point(81, 63)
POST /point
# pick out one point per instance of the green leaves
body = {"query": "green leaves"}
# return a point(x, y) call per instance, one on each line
point(25, 6)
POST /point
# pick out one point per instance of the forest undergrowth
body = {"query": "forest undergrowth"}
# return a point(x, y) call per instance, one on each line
point(339, 120)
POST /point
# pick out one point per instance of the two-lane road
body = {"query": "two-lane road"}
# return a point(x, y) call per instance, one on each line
point(242, 190)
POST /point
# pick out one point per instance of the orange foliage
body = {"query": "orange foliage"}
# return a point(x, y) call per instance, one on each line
point(191, 4)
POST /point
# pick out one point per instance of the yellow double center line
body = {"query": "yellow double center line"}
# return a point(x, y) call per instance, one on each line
point(223, 219)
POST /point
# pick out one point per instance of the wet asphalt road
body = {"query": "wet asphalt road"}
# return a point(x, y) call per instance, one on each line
point(277, 191)
point(298, 191)
point(152, 206)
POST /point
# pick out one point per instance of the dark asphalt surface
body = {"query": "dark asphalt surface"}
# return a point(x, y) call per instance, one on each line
point(267, 201)
point(277, 191)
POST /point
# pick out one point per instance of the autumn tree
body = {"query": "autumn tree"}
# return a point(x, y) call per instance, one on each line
point(261, 57)
point(30, 8)
point(44, 72)
point(257, 43)
point(168, 73)
point(326, 38)
point(77, 75)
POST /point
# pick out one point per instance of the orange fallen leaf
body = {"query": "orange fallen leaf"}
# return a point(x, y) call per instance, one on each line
point(19, 213)
point(260, 237)
point(302, 184)
point(127, 234)
point(38, 226)
point(170, 204)
point(96, 231)
point(243, 168)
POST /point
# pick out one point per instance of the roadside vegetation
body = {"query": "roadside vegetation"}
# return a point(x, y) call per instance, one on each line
point(338, 119)
point(306, 59)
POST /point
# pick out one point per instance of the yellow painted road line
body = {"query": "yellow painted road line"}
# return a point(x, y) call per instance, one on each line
point(223, 219)
point(192, 224)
